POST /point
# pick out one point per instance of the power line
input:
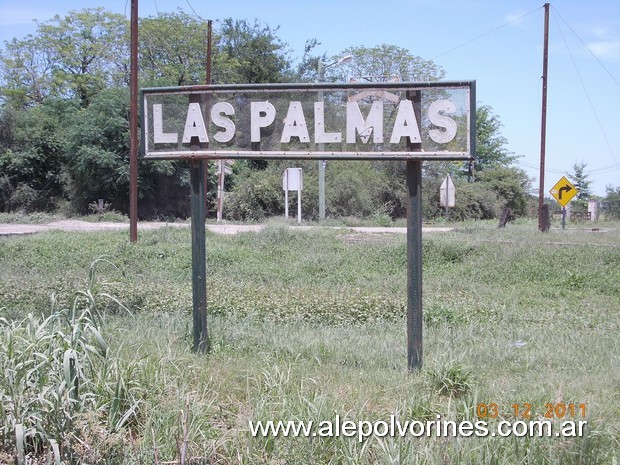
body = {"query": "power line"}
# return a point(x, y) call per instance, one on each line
point(585, 90)
point(587, 48)
point(485, 34)
point(192, 8)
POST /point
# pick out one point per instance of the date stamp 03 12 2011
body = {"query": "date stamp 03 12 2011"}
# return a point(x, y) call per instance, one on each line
point(525, 410)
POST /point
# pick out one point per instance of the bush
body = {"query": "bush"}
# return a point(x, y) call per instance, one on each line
point(474, 200)
point(25, 198)
point(352, 189)
point(255, 197)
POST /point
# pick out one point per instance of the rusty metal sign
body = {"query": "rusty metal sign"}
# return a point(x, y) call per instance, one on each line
point(376, 121)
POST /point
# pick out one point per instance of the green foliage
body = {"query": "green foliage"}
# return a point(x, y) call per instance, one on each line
point(256, 197)
point(65, 137)
point(491, 149)
point(99, 144)
point(253, 52)
point(453, 380)
point(611, 204)
point(72, 57)
point(61, 386)
point(309, 325)
point(174, 50)
point(511, 184)
point(384, 61)
point(33, 159)
point(354, 189)
point(581, 181)
point(474, 201)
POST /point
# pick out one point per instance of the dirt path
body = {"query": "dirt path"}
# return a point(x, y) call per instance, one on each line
point(10, 229)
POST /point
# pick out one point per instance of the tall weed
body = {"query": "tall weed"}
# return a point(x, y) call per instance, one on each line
point(60, 387)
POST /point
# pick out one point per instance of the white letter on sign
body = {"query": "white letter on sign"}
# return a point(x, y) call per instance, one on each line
point(227, 124)
point(320, 136)
point(262, 115)
point(406, 124)
point(159, 136)
point(373, 124)
point(194, 125)
point(442, 137)
point(295, 124)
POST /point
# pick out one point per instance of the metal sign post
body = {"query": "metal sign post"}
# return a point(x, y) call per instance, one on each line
point(414, 265)
point(415, 317)
point(199, 264)
point(292, 180)
point(421, 121)
point(199, 257)
point(563, 192)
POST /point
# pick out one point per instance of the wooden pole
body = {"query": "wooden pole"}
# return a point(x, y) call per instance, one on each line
point(543, 128)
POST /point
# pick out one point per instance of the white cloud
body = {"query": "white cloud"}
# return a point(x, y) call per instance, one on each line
point(516, 17)
point(599, 32)
point(606, 49)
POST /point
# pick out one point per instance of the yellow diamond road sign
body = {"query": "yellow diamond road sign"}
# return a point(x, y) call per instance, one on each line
point(563, 191)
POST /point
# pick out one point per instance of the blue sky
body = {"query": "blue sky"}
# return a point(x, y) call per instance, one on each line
point(497, 43)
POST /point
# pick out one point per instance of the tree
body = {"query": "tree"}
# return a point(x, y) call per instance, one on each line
point(254, 53)
point(611, 203)
point(384, 61)
point(71, 57)
point(581, 181)
point(511, 184)
point(26, 72)
point(491, 151)
point(33, 155)
point(173, 49)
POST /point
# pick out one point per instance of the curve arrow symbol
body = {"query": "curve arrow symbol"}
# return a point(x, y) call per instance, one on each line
point(566, 189)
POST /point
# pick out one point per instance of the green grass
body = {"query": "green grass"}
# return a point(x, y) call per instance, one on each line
point(310, 325)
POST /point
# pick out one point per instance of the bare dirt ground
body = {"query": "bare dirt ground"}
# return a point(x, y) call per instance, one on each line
point(9, 229)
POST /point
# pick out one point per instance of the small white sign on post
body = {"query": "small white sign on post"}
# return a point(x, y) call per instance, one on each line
point(292, 180)
point(447, 191)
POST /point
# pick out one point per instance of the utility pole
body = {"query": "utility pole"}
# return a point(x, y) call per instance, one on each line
point(542, 221)
point(133, 126)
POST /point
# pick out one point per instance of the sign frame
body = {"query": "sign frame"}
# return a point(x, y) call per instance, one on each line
point(208, 91)
point(413, 156)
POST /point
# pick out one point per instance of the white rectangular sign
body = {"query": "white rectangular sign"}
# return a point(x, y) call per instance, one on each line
point(292, 179)
point(377, 121)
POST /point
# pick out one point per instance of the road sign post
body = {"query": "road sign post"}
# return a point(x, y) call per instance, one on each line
point(563, 192)
point(447, 194)
point(292, 180)
point(406, 121)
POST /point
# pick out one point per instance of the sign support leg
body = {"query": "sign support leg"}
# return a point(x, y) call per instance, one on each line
point(286, 204)
point(563, 217)
point(321, 188)
point(199, 266)
point(414, 265)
